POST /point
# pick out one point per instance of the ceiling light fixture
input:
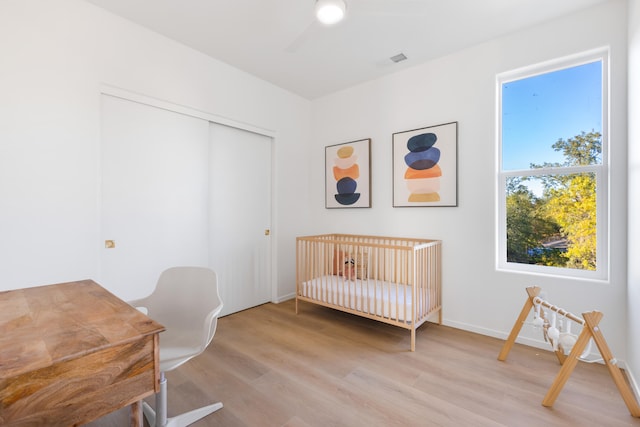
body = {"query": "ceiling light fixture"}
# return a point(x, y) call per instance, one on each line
point(330, 12)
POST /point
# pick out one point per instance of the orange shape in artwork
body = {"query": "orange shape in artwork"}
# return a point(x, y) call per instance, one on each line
point(353, 172)
point(424, 173)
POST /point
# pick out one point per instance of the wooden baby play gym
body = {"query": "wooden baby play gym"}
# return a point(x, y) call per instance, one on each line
point(574, 347)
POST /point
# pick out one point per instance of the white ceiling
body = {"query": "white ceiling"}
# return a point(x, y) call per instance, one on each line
point(279, 41)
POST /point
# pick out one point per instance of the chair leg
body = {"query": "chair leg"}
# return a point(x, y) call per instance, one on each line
point(191, 417)
point(158, 418)
point(149, 414)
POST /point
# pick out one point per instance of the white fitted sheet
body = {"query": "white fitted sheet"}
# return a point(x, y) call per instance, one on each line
point(386, 299)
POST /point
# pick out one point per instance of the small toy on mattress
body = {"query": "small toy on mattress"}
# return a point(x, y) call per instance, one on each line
point(393, 280)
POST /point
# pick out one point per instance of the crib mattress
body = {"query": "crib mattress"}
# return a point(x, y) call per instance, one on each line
point(379, 298)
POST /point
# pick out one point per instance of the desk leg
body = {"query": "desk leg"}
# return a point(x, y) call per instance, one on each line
point(136, 414)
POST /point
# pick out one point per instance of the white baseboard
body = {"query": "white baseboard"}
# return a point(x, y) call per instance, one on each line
point(283, 298)
point(635, 386)
point(531, 342)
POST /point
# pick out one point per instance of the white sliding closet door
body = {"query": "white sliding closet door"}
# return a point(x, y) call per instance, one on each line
point(155, 189)
point(240, 216)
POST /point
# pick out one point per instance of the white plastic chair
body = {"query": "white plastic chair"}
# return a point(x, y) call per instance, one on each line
point(186, 302)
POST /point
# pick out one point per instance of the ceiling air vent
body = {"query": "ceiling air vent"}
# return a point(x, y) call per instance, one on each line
point(399, 57)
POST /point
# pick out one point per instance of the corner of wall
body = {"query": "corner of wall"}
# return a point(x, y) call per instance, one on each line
point(633, 206)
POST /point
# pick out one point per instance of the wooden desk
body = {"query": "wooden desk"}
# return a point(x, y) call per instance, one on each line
point(71, 353)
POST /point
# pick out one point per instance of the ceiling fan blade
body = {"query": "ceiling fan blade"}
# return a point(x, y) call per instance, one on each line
point(304, 37)
point(392, 7)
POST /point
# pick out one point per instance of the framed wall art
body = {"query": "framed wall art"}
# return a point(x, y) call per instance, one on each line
point(348, 175)
point(425, 166)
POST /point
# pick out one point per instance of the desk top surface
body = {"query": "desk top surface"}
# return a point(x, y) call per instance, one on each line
point(49, 324)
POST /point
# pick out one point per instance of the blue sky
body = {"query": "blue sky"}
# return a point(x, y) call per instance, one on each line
point(539, 110)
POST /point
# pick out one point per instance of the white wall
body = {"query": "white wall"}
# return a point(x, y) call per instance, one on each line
point(461, 87)
point(55, 58)
point(633, 292)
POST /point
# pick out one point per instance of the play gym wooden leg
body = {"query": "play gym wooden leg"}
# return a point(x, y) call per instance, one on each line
point(567, 367)
point(592, 319)
point(533, 292)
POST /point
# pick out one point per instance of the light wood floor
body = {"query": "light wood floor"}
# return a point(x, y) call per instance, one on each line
point(322, 368)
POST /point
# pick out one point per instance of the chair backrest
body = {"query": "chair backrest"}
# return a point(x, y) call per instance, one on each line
point(186, 299)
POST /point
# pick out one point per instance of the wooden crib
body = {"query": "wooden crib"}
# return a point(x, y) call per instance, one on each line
point(394, 280)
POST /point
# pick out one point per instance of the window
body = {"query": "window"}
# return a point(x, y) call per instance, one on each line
point(552, 168)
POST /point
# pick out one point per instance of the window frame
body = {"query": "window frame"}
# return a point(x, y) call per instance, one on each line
point(601, 172)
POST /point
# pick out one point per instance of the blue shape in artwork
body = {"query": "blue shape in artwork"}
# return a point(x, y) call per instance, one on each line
point(421, 160)
point(346, 185)
point(347, 199)
point(421, 142)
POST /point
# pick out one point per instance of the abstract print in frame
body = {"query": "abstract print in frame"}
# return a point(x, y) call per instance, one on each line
point(425, 166)
point(348, 175)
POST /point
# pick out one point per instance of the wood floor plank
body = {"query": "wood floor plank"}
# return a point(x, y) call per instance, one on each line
point(411, 405)
point(271, 367)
